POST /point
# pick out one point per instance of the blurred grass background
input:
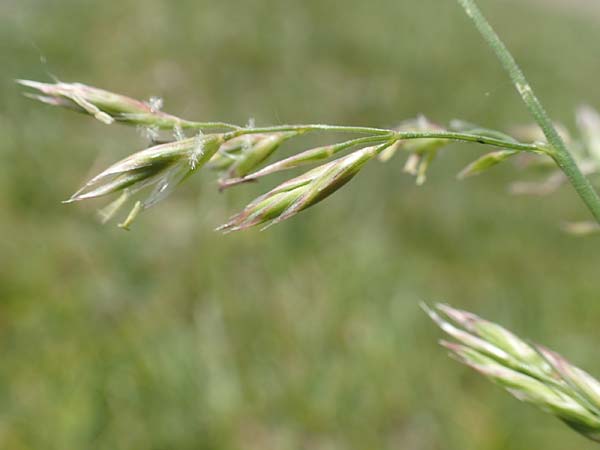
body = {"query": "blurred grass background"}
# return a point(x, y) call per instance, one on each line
point(308, 336)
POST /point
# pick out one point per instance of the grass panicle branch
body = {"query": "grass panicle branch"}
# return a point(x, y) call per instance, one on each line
point(239, 154)
point(530, 372)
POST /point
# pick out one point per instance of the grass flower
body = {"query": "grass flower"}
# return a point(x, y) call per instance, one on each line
point(485, 162)
point(108, 107)
point(162, 167)
point(105, 106)
point(297, 194)
point(253, 151)
point(421, 152)
point(530, 372)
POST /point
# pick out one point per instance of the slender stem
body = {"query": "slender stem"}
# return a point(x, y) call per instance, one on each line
point(307, 128)
point(208, 125)
point(560, 153)
point(468, 137)
point(450, 135)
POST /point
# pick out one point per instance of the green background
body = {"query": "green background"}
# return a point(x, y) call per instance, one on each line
point(308, 336)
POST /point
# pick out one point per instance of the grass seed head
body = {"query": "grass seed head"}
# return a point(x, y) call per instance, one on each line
point(231, 151)
point(162, 167)
point(297, 194)
point(587, 385)
point(256, 151)
point(105, 106)
point(486, 162)
point(531, 373)
point(494, 334)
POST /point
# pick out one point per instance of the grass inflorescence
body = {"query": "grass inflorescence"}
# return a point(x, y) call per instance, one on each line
point(240, 154)
point(530, 372)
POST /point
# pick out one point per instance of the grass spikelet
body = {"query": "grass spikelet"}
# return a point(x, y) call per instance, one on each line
point(531, 373)
point(163, 166)
point(297, 194)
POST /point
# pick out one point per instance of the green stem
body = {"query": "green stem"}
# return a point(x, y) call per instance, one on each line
point(474, 138)
point(307, 128)
point(450, 135)
point(208, 125)
point(560, 153)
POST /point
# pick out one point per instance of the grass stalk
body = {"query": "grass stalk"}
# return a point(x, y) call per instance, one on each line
point(560, 152)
